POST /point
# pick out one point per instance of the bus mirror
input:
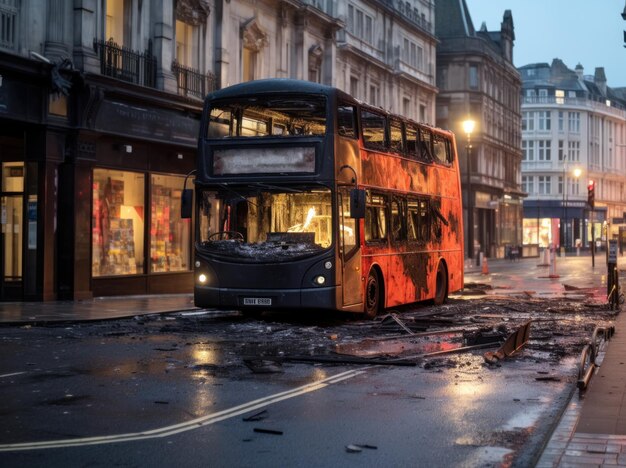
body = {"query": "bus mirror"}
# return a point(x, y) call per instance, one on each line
point(186, 203)
point(357, 203)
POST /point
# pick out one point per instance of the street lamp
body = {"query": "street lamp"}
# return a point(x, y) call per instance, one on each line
point(468, 128)
point(576, 173)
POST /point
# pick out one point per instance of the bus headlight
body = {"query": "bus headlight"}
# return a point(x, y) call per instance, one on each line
point(319, 280)
point(198, 264)
point(202, 278)
point(328, 265)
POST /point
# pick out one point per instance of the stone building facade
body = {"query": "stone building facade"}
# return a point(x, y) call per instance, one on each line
point(477, 80)
point(100, 102)
point(573, 131)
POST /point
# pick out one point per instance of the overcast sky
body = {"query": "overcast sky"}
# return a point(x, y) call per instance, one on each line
point(576, 31)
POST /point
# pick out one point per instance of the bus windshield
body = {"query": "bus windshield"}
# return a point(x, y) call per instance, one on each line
point(261, 222)
point(268, 115)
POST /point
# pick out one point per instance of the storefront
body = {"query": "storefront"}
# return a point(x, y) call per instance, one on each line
point(132, 161)
point(551, 223)
point(91, 185)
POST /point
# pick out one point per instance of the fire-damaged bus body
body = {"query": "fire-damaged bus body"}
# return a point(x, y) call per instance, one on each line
point(306, 198)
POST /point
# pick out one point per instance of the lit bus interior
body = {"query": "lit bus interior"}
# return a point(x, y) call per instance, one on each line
point(258, 222)
point(269, 116)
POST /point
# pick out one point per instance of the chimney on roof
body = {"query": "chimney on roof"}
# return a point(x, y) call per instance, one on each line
point(507, 35)
point(580, 71)
point(599, 78)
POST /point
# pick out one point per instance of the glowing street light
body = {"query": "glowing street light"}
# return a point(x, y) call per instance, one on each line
point(468, 128)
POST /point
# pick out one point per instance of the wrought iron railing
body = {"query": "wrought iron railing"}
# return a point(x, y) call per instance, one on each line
point(126, 64)
point(193, 83)
point(8, 24)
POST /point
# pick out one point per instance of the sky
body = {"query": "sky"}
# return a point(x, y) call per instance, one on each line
point(576, 31)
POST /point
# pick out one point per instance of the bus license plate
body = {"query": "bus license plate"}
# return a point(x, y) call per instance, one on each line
point(260, 301)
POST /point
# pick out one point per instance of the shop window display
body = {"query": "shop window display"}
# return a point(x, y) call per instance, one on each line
point(169, 234)
point(117, 223)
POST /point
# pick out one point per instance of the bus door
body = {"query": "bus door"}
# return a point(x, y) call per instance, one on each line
point(350, 253)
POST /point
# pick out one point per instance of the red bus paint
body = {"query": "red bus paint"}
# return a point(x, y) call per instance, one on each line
point(284, 167)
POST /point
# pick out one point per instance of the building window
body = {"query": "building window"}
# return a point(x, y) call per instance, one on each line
point(560, 187)
point(248, 64)
point(543, 121)
point(543, 95)
point(375, 95)
point(543, 150)
point(117, 223)
point(9, 22)
point(559, 94)
point(169, 233)
point(544, 185)
point(315, 63)
point(354, 87)
point(185, 52)
point(254, 39)
point(561, 151)
point(574, 122)
point(528, 184)
point(528, 121)
point(573, 150)
point(360, 24)
point(115, 27)
point(473, 77)
point(561, 125)
point(528, 150)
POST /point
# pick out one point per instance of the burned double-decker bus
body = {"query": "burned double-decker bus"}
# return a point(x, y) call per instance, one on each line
point(307, 199)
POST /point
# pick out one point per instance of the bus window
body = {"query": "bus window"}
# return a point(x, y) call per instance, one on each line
point(272, 115)
point(418, 219)
point(348, 226)
point(395, 132)
point(346, 123)
point(425, 145)
point(373, 129)
point(411, 141)
point(253, 127)
point(219, 123)
point(398, 233)
point(441, 149)
point(375, 218)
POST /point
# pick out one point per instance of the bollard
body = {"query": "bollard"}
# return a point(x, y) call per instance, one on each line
point(553, 273)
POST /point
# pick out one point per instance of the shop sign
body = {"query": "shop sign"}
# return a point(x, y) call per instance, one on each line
point(148, 122)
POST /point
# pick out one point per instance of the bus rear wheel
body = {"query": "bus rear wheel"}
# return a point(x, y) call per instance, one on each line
point(441, 288)
point(372, 294)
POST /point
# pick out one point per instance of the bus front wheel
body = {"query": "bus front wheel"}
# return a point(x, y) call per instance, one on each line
point(441, 289)
point(372, 294)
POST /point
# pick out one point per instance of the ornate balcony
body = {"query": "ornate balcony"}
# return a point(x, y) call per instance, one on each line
point(191, 82)
point(125, 64)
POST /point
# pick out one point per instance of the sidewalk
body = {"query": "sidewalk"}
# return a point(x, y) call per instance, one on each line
point(592, 431)
point(101, 308)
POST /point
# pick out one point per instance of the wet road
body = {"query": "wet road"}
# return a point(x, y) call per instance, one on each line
point(175, 390)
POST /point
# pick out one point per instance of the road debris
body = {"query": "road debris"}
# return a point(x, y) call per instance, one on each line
point(267, 431)
point(513, 343)
point(256, 416)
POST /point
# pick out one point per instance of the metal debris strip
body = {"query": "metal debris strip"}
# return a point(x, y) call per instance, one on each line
point(587, 364)
point(393, 316)
point(513, 343)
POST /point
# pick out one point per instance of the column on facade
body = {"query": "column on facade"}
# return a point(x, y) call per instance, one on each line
point(84, 56)
point(162, 15)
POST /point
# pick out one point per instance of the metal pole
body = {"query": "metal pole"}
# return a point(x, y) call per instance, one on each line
point(470, 208)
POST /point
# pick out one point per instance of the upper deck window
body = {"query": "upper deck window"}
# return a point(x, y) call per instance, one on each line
point(262, 116)
point(373, 126)
point(441, 149)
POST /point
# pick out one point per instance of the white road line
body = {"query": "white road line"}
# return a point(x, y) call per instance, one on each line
point(10, 375)
point(188, 425)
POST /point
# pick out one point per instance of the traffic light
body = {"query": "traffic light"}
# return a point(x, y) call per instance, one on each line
point(591, 193)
